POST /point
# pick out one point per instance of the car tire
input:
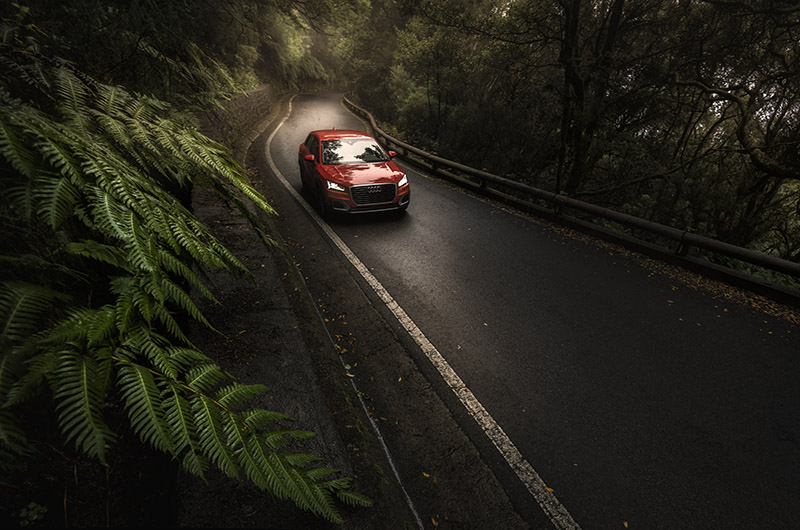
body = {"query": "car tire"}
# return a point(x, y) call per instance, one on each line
point(302, 179)
point(323, 208)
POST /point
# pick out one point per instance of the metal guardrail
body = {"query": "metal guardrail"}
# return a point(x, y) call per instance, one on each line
point(685, 239)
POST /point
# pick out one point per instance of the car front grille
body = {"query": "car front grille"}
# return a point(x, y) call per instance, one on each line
point(373, 193)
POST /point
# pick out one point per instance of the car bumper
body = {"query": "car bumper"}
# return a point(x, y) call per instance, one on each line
point(342, 202)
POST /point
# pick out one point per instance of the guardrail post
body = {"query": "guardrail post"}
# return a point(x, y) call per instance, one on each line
point(557, 206)
point(683, 247)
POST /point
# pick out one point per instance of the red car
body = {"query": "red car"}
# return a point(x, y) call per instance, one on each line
point(348, 171)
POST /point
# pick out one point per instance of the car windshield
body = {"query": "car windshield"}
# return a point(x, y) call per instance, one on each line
point(352, 151)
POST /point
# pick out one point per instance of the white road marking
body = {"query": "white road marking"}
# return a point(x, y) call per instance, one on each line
point(548, 502)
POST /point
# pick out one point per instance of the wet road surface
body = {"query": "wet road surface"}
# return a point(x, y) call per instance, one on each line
point(639, 400)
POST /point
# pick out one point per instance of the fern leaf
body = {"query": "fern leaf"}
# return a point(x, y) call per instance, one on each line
point(80, 393)
point(59, 157)
point(204, 377)
point(179, 416)
point(101, 326)
point(164, 317)
point(172, 362)
point(174, 293)
point(259, 418)
point(56, 199)
point(277, 439)
point(304, 491)
point(73, 99)
point(12, 147)
point(236, 393)
point(184, 357)
point(22, 306)
point(213, 439)
point(143, 404)
point(353, 498)
point(95, 250)
point(303, 459)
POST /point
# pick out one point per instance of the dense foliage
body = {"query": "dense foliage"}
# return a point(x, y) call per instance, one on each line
point(686, 113)
point(100, 256)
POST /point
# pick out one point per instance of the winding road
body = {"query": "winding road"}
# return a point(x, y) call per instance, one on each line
point(636, 398)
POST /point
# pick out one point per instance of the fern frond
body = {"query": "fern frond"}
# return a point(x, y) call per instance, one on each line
point(295, 484)
point(175, 294)
point(171, 263)
point(256, 419)
point(108, 215)
point(172, 362)
point(236, 393)
point(165, 318)
point(71, 328)
point(56, 199)
point(140, 299)
point(213, 438)
point(179, 416)
point(352, 498)
point(12, 147)
point(91, 249)
point(112, 100)
point(56, 152)
point(80, 394)
point(101, 326)
point(73, 99)
point(22, 308)
point(303, 459)
point(143, 400)
point(204, 377)
point(277, 439)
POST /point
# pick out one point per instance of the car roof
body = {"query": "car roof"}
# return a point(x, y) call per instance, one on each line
point(332, 134)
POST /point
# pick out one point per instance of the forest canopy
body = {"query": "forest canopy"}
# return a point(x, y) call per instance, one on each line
point(684, 112)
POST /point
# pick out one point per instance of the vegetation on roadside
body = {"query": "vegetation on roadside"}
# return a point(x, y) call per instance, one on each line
point(101, 253)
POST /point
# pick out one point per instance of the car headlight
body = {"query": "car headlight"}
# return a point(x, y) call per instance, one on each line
point(334, 186)
point(403, 181)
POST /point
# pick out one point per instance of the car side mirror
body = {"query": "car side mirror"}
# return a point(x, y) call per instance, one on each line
point(309, 158)
point(392, 154)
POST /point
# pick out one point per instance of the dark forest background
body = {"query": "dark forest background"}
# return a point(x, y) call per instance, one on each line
point(684, 112)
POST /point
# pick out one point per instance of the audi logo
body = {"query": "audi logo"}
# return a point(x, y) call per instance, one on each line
point(374, 189)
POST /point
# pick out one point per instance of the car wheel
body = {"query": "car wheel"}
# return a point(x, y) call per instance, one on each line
point(323, 208)
point(303, 185)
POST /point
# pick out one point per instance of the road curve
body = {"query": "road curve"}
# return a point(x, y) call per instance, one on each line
point(640, 400)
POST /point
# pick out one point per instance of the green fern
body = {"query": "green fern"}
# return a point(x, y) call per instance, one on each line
point(89, 185)
point(80, 393)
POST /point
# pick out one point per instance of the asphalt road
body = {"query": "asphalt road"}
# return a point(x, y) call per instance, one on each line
point(639, 399)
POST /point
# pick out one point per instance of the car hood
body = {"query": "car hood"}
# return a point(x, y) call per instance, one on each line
point(354, 174)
